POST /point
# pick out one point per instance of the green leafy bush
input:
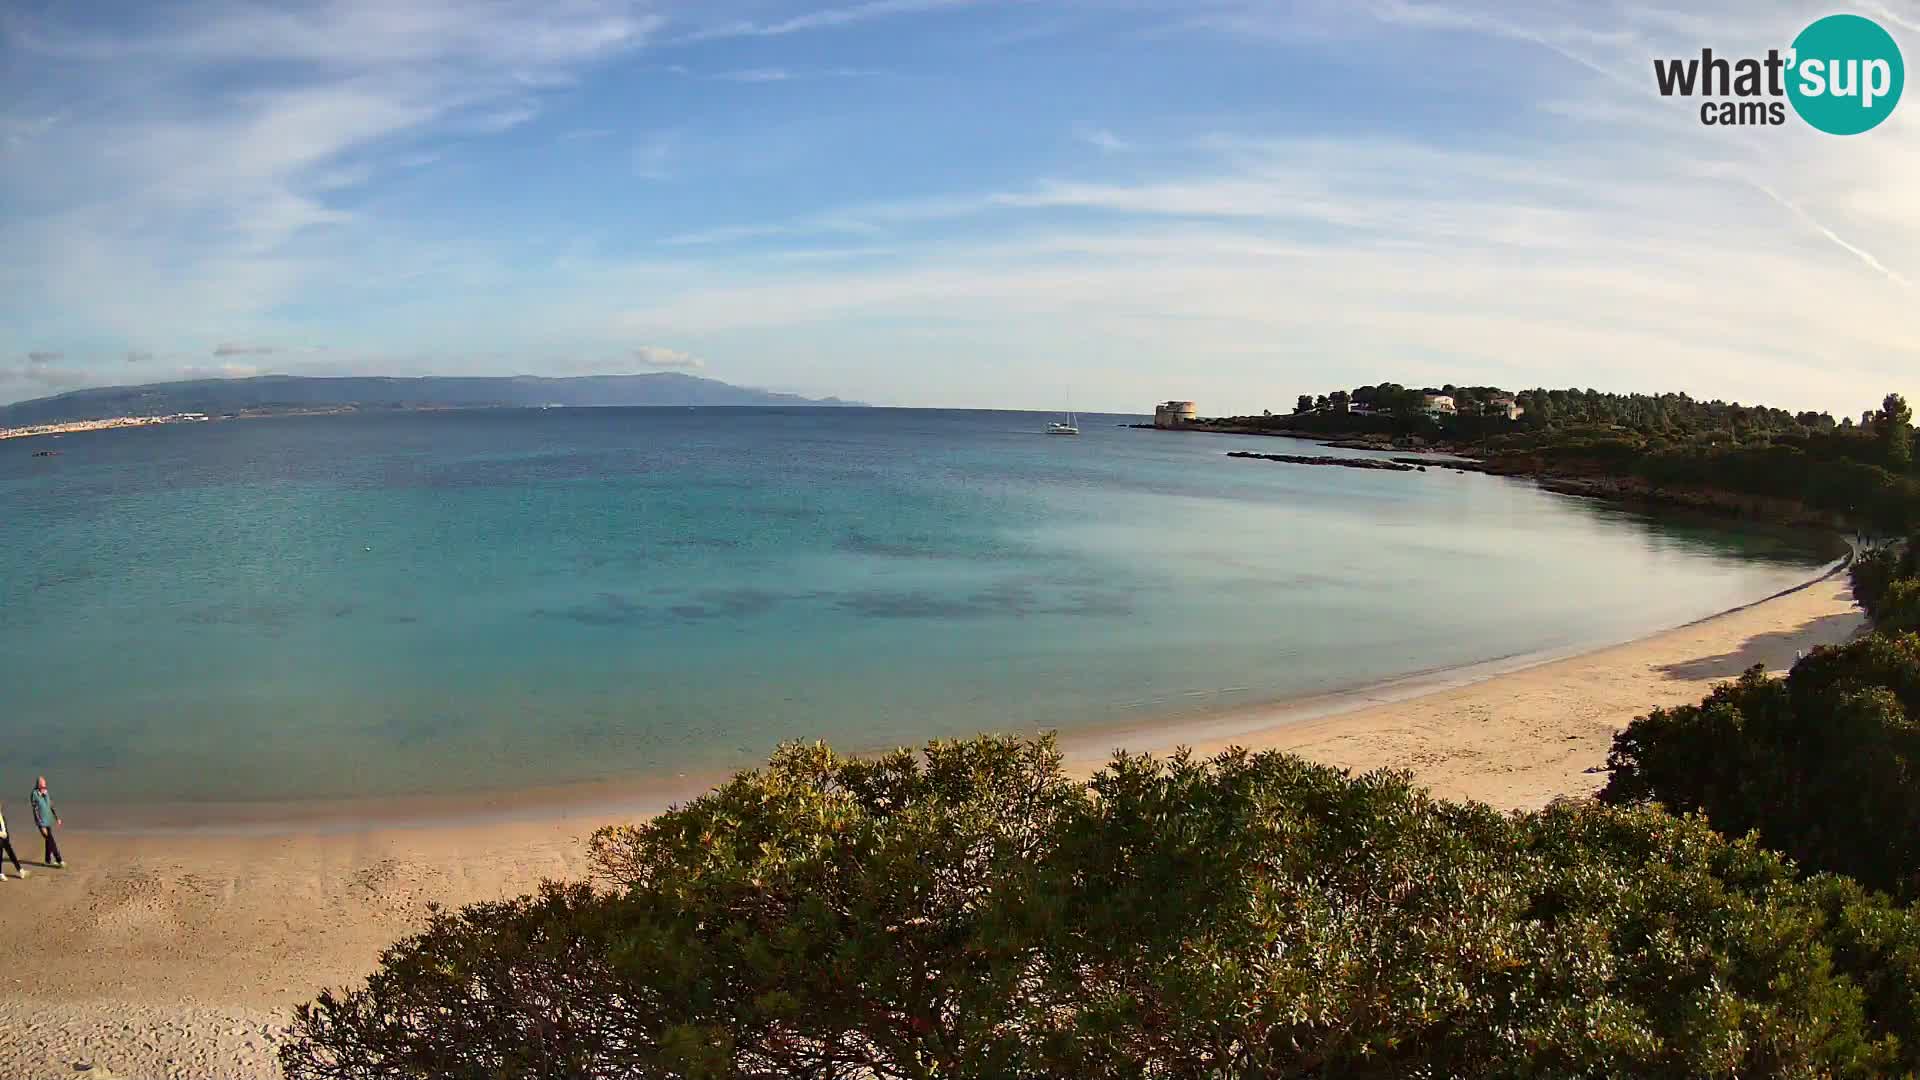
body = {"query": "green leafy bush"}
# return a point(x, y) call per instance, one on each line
point(1873, 572)
point(1898, 611)
point(1883, 583)
point(1820, 764)
point(969, 911)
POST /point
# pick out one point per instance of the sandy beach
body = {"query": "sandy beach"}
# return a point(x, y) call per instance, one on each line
point(180, 955)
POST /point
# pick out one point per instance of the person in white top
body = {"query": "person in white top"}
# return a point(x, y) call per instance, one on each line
point(6, 849)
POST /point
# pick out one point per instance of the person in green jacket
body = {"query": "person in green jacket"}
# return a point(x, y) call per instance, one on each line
point(6, 849)
point(45, 817)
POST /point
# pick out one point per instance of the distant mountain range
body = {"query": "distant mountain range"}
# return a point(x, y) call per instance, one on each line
point(293, 393)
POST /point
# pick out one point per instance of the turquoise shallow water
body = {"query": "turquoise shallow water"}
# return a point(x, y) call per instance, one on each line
point(438, 603)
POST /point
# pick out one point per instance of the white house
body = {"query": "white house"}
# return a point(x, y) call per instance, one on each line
point(1503, 405)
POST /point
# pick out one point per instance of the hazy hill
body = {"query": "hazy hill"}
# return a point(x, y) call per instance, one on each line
point(291, 392)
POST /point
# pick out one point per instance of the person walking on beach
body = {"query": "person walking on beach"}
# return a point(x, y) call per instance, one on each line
point(44, 816)
point(6, 849)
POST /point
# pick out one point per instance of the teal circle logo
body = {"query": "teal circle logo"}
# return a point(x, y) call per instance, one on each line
point(1846, 74)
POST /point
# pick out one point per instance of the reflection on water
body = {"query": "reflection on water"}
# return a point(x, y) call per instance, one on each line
point(443, 602)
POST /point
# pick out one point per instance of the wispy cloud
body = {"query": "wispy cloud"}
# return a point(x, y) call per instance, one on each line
point(1865, 256)
point(44, 357)
point(244, 350)
point(1908, 21)
point(1551, 219)
point(363, 34)
point(504, 117)
point(32, 380)
point(823, 18)
point(240, 126)
point(1504, 265)
point(782, 74)
point(17, 132)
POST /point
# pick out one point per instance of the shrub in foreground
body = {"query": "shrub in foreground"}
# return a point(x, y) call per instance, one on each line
point(1872, 572)
point(1821, 764)
point(1886, 582)
point(969, 911)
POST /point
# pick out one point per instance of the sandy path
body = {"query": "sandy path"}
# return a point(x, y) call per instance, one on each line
point(178, 956)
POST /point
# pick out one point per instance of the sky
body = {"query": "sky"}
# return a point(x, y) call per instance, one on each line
point(957, 203)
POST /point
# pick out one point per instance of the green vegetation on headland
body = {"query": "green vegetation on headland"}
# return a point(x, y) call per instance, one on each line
point(1715, 455)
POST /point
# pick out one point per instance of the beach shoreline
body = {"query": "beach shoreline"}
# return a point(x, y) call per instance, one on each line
point(190, 947)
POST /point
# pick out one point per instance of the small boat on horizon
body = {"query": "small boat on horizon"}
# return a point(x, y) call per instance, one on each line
point(1065, 426)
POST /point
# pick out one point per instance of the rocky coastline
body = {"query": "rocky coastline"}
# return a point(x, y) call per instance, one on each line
point(1565, 478)
point(1637, 490)
point(1345, 463)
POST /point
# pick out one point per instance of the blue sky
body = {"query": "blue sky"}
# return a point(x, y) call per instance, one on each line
point(942, 202)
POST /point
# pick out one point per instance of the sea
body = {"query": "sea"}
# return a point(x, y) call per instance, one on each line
point(327, 608)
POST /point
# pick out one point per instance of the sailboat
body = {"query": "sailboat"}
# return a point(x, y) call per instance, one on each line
point(1064, 427)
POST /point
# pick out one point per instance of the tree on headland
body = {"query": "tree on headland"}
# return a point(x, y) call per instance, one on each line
point(1895, 421)
point(1716, 455)
point(1304, 404)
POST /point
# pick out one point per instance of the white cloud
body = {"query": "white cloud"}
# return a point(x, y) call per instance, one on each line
point(44, 357)
point(1105, 141)
point(244, 350)
point(654, 356)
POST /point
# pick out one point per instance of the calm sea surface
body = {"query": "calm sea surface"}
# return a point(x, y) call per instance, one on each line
point(426, 603)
